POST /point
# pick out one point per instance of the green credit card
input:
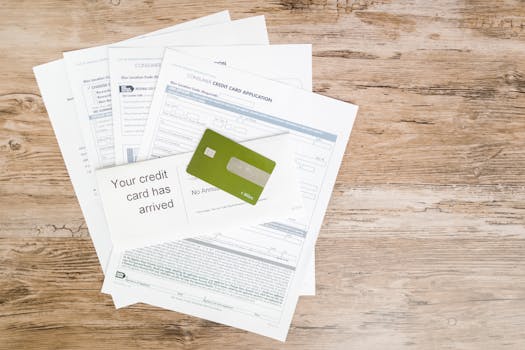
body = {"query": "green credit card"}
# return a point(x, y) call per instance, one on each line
point(230, 166)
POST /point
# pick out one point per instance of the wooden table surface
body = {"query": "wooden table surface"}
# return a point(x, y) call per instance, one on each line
point(423, 244)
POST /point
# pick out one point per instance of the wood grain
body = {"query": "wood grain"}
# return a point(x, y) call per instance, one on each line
point(423, 245)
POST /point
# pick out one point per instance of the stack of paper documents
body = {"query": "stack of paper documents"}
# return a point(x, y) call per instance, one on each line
point(163, 236)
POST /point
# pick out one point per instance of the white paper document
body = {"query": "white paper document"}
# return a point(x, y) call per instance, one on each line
point(156, 201)
point(134, 72)
point(56, 92)
point(248, 277)
point(52, 81)
point(88, 72)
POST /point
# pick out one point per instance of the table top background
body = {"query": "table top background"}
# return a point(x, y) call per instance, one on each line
point(423, 244)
